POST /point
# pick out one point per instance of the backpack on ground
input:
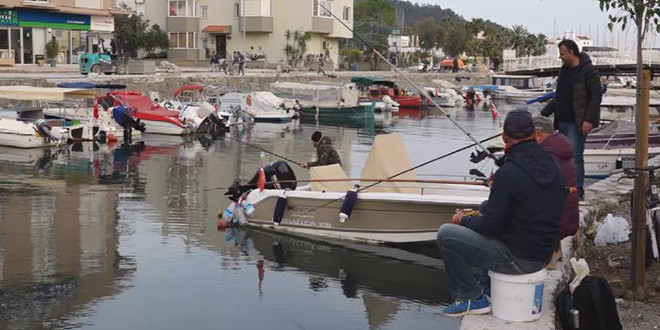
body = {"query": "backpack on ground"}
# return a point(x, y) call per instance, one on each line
point(594, 302)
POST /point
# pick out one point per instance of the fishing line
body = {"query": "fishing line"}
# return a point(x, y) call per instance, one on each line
point(419, 90)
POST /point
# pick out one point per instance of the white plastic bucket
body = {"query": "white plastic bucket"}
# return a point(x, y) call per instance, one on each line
point(517, 298)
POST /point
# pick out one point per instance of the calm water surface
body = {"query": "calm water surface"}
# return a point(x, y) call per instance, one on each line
point(111, 238)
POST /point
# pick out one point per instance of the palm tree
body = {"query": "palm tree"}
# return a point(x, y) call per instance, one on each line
point(519, 39)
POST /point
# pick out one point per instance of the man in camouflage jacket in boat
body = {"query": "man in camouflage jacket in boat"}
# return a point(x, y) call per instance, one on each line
point(325, 153)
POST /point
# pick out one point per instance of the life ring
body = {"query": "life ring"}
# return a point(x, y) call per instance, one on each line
point(248, 100)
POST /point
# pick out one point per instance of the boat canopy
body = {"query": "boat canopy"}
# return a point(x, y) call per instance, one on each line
point(318, 94)
point(88, 85)
point(29, 93)
point(185, 88)
point(334, 172)
point(387, 158)
point(368, 81)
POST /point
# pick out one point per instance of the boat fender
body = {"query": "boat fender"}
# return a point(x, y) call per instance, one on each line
point(228, 214)
point(239, 216)
point(247, 207)
point(348, 204)
point(280, 208)
point(222, 225)
point(619, 163)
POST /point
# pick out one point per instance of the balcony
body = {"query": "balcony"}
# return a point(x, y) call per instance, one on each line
point(256, 24)
point(182, 24)
point(322, 24)
point(89, 4)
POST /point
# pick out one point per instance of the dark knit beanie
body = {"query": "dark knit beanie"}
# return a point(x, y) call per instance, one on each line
point(316, 136)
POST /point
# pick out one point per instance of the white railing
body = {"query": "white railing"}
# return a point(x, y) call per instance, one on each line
point(613, 58)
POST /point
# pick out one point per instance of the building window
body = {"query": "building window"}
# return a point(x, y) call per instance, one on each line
point(205, 12)
point(183, 40)
point(184, 8)
point(346, 14)
point(323, 8)
point(237, 10)
point(257, 8)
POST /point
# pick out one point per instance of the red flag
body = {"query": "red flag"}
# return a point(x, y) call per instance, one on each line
point(493, 111)
point(261, 182)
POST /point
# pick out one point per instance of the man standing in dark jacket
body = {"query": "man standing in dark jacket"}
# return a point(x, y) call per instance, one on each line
point(519, 226)
point(576, 105)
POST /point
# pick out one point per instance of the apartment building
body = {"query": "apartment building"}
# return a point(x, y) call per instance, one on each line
point(197, 28)
point(26, 26)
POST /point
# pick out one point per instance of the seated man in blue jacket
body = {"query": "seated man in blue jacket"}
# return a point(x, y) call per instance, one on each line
point(519, 225)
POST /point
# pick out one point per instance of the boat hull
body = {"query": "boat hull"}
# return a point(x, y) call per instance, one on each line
point(163, 127)
point(376, 217)
point(600, 163)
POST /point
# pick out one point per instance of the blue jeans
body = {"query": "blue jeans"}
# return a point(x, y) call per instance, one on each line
point(462, 248)
point(578, 139)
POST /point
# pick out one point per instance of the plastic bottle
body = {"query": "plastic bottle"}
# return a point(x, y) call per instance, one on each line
point(228, 215)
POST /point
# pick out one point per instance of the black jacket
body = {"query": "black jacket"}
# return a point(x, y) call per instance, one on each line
point(525, 204)
point(587, 94)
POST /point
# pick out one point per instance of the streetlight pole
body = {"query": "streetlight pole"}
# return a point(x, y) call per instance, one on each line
point(243, 23)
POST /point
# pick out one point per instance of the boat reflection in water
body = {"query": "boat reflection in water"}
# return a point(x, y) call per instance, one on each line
point(58, 238)
point(383, 277)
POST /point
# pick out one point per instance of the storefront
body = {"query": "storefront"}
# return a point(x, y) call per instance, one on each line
point(24, 34)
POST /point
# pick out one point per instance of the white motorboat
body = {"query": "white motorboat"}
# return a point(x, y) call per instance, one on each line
point(515, 95)
point(92, 128)
point(386, 104)
point(262, 106)
point(24, 126)
point(194, 110)
point(381, 214)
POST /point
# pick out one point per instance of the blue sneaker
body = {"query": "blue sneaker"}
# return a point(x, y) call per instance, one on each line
point(485, 290)
point(468, 307)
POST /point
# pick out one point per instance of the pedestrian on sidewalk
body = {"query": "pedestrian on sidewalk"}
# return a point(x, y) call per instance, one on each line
point(576, 105)
point(241, 64)
point(518, 227)
point(320, 63)
point(215, 62)
point(235, 60)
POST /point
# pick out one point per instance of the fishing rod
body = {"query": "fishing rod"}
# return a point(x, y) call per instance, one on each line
point(250, 185)
point(419, 90)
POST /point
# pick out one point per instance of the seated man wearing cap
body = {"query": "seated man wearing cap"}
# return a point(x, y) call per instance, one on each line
point(561, 149)
point(325, 153)
point(518, 228)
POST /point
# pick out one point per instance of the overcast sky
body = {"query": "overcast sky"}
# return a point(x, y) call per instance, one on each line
point(539, 16)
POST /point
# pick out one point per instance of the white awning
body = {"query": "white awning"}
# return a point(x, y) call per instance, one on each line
point(29, 93)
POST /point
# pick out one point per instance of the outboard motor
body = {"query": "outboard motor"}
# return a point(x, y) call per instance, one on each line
point(213, 126)
point(123, 117)
point(45, 130)
point(275, 171)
